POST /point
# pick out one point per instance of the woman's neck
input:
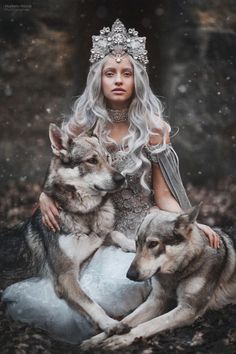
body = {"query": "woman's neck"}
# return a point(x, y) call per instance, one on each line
point(119, 122)
point(118, 115)
point(119, 106)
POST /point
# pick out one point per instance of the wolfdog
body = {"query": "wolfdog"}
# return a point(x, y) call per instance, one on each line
point(184, 270)
point(80, 177)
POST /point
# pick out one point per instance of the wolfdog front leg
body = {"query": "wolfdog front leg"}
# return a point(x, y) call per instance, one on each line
point(74, 250)
point(178, 317)
point(70, 289)
point(125, 243)
point(152, 307)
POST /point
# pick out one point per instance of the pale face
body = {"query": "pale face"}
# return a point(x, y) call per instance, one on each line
point(118, 82)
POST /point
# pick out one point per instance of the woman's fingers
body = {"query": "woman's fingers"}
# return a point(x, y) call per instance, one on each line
point(217, 240)
point(46, 222)
point(213, 238)
point(52, 221)
point(54, 209)
point(49, 223)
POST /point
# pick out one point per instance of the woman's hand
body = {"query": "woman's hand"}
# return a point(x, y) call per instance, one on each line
point(50, 212)
point(214, 239)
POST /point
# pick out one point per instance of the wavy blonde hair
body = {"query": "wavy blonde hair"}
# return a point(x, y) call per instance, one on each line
point(145, 117)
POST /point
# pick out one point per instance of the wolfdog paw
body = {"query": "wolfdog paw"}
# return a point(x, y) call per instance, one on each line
point(129, 246)
point(117, 342)
point(93, 342)
point(119, 328)
point(99, 339)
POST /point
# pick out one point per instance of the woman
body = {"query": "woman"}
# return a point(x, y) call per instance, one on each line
point(128, 118)
point(120, 107)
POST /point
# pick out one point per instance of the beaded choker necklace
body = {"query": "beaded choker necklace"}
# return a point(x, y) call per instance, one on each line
point(118, 115)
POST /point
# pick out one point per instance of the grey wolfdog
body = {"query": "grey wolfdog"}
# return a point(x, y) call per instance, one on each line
point(184, 270)
point(80, 177)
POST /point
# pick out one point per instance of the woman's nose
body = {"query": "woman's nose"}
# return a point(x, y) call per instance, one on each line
point(118, 79)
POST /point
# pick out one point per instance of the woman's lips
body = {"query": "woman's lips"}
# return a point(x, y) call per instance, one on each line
point(118, 90)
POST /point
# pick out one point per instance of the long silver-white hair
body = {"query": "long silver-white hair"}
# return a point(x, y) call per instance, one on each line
point(145, 117)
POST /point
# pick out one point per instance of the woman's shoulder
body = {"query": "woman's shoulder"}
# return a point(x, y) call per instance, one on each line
point(156, 137)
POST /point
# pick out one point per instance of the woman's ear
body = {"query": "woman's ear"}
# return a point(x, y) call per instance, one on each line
point(59, 140)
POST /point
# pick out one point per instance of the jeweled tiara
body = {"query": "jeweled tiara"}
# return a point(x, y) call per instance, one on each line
point(118, 42)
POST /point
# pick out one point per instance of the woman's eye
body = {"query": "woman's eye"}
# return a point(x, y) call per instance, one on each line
point(127, 74)
point(152, 244)
point(92, 161)
point(109, 74)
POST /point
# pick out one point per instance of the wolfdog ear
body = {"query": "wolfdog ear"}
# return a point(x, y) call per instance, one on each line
point(183, 224)
point(59, 140)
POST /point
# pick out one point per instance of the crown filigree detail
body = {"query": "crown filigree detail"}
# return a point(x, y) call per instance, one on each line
point(118, 42)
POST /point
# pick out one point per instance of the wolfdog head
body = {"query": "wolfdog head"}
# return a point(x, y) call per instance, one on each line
point(81, 168)
point(166, 242)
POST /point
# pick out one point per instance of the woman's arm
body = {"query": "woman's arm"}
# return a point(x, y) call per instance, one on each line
point(165, 200)
point(162, 195)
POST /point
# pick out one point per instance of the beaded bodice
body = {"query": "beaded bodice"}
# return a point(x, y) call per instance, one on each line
point(132, 203)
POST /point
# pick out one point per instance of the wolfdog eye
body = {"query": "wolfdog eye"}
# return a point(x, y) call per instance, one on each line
point(93, 161)
point(152, 244)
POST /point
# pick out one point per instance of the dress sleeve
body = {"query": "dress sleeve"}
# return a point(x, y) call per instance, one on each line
point(169, 164)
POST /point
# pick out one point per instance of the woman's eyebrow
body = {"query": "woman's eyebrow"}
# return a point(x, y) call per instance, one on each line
point(109, 68)
point(127, 68)
point(114, 69)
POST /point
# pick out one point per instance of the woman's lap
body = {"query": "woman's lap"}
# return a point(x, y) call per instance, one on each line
point(104, 279)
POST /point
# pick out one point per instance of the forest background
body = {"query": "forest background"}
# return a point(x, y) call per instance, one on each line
point(44, 61)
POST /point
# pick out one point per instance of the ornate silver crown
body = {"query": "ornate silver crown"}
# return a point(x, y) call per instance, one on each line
point(118, 42)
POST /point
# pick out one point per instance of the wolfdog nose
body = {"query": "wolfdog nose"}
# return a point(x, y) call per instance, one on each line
point(118, 178)
point(132, 274)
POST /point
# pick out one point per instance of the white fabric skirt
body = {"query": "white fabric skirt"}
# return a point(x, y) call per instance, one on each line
point(103, 277)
